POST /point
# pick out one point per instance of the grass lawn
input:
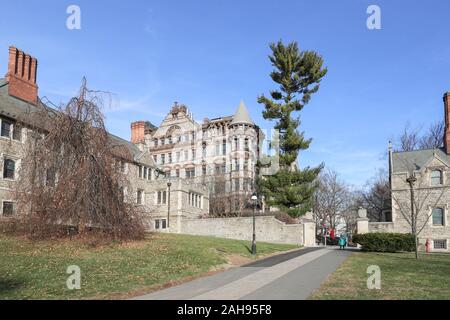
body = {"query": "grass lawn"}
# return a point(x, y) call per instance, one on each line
point(402, 277)
point(37, 270)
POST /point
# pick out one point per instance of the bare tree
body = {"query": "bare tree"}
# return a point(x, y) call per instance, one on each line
point(72, 174)
point(376, 196)
point(332, 198)
point(434, 137)
point(416, 200)
point(412, 139)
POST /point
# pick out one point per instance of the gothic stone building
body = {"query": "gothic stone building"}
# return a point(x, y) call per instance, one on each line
point(149, 189)
point(220, 153)
point(430, 173)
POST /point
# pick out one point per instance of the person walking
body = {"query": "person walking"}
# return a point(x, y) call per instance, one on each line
point(342, 241)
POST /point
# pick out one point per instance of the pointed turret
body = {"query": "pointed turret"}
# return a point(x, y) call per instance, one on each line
point(241, 116)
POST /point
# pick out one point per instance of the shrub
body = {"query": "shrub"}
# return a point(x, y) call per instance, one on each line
point(284, 217)
point(385, 242)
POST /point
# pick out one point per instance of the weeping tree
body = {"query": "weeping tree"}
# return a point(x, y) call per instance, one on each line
point(298, 75)
point(72, 174)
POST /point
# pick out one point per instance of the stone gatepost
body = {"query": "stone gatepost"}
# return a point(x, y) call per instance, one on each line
point(309, 231)
point(362, 223)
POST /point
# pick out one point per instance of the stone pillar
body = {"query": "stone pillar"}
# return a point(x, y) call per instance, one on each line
point(309, 233)
point(362, 223)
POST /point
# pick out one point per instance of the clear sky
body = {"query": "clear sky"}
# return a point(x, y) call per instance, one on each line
point(210, 54)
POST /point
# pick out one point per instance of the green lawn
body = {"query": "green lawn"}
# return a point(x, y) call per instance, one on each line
point(402, 277)
point(37, 270)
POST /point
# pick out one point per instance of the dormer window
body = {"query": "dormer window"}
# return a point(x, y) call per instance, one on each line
point(436, 178)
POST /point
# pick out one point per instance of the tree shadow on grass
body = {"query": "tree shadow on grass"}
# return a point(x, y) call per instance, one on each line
point(8, 286)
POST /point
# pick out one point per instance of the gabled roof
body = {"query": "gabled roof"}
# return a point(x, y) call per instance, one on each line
point(17, 109)
point(415, 160)
point(241, 116)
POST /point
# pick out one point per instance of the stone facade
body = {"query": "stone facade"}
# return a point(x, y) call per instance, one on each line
point(219, 153)
point(426, 173)
point(147, 188)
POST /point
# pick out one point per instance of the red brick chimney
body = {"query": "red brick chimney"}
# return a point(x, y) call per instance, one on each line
point(22, 73)
point(447, 123)
point(137, 131)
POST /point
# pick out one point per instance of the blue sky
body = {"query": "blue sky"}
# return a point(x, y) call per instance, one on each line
point(211, 54)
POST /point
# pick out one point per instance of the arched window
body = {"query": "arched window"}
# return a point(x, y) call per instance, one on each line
point(436, 177)
point(438, 216)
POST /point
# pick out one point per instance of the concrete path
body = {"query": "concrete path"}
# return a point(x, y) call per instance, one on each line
point(290, 276)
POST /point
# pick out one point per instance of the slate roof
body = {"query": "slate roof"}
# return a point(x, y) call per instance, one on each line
point(241, 116)
point(20, 110)
point(406, 160)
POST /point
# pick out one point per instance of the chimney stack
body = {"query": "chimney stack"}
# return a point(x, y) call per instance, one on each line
point(447, 123)
point(138, 132)
point(22, 75)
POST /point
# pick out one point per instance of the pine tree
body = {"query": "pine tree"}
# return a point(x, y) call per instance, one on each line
point(298, 74)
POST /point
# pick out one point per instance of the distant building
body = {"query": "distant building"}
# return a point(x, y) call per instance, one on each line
point(430, 171)
point(220, 153)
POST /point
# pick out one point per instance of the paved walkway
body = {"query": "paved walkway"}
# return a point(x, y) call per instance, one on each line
point(291, 276)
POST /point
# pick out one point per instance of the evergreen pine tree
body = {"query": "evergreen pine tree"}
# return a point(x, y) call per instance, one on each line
point(298, 74)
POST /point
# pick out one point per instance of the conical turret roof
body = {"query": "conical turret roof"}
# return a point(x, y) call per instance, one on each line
point(241, 116)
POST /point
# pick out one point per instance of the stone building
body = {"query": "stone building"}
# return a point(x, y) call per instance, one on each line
point(166, 202)
point(425, 176)
point(220, 153)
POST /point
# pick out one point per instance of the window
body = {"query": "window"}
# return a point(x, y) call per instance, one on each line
point(246, 147)
point(204, 150)
point(190, 173)
point(17, 132)
point(164, 223)
point(185, 155)
point(195, 200)
point(161, 197)
point(436, 177)
point(236, 144)
point(178, 156)
point(170, 139)
point(155, 142)
point(157, 224)
point(440, 244)
point(149, 177)
point(236, 164)
point(204, 170)
point(224, 146)
point(236, 185)
point(8, 169)
point(438, 217)
point(177, 173)
point(163, 158)
point(155, 158)
point(140, 196)
point(6, 128)
point(8, 208)
point(140, 171)
point(145, 172)
point(163, 141)
point(217, 148)
point(170, 157)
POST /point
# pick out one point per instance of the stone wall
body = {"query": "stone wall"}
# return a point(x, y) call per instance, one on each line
point(381, 227)
point(268, 229)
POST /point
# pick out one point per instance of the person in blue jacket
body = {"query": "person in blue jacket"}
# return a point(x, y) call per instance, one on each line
point(342, 241)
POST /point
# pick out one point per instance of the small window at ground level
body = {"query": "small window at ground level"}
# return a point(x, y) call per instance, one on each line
point(163, 223)
point(157, 224)
point(440, 244)
point(8, 208)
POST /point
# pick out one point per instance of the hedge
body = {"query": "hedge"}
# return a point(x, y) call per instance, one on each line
point(385, 242)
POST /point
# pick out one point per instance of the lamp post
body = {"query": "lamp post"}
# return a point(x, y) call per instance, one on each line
point(169, 184)
point(255, 199)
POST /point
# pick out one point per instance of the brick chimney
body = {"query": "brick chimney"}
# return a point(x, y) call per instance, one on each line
point(137, 131)
point(447, 123)
point(21, 76)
